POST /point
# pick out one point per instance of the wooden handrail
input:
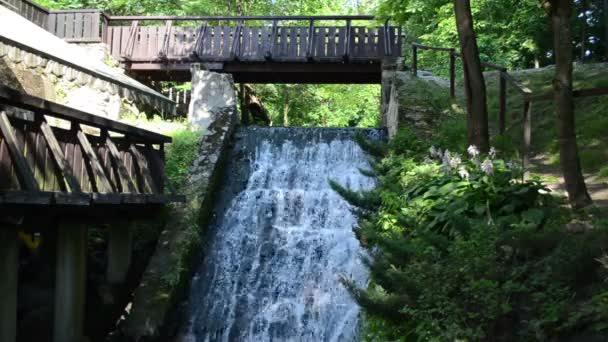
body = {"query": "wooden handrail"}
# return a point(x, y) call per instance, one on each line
point(245, 18)
point(38, 105)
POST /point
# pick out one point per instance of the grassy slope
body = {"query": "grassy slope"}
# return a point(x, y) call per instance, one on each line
point(591, 115)
point(591, 121)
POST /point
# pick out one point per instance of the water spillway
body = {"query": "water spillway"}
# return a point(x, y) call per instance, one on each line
point(281, 238)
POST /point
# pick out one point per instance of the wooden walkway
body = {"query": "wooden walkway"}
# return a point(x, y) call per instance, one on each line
point(89, 162)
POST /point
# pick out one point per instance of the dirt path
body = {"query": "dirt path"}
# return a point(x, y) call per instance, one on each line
point(598, 188)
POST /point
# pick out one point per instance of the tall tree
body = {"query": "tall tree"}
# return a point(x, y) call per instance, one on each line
point(561, 12)
point(474, 83)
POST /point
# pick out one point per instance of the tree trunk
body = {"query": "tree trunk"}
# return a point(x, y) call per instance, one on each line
point(255, 107)
point(561, 11)
point(474, 83)
point(285, 107)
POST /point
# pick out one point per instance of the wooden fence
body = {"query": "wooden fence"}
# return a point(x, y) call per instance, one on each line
point(505, 79)
point(77, 26)
point(181, 99)
point(93, 161)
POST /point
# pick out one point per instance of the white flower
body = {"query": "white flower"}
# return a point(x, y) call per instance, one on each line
point(493, 152)
point(511, 164)
point(445, 161)
point(464, 174)
point(487, 167)
point(435, 152)
point(473, 151)
point(455, 160)
point(428, 160)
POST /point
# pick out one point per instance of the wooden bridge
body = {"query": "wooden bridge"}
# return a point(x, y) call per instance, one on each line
point(254, 51)
point(260, 49)
point(62, 171)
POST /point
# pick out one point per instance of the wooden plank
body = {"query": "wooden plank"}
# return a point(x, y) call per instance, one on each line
point(123, 173)
point(144, 170)
point(60, 25)
point(227, 41)
point(6, 166)
point(59, 157)
point(100, 181)
point(331, 42)
point(216, 48)
point(96, 26)
point(160, 166)
point(78, 25)
point(51, 24)
point(26, 197)
point(246, 45)
point(69, 25)
point(24, 173)
point(87, 29)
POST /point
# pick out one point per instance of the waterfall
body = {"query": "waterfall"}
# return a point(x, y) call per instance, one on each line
point(281, 240)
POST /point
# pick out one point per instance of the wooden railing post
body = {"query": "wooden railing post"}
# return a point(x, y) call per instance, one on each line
point(387, 40)
point(346, 54)
point(273, 38)
point(453, 73)
point(415, 59)
point(311, 36)
point(502, 93)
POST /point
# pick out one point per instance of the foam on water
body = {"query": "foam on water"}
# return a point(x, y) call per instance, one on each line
point(282, 243)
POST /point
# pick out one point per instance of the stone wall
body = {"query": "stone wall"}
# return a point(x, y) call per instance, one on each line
point(18, 73)
point(166, 279)
point(389, 104)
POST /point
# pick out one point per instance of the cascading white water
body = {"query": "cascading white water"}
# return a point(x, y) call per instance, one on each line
point(282, 243)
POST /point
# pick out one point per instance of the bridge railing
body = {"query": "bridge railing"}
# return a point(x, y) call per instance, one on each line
point(259, 38)
point(76, 26)
point(505, 79)
point(56, 155)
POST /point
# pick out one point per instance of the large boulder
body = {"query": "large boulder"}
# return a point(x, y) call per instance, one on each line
point(212, 94)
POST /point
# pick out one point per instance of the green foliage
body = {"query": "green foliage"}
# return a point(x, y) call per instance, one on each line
point(180, 155)
point(329, 105)
point(463, 249)
point(513, 33)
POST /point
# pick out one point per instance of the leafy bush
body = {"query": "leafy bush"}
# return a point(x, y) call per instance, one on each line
point(464, 249)
point(180, 155)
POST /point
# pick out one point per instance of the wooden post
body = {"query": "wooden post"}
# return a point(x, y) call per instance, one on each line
point(9, 259)
point(527, 137)
point(502, 91)
point(414, 59)
point(453, 73)
point(244, 113)
point(119, 252)
point(70, 282)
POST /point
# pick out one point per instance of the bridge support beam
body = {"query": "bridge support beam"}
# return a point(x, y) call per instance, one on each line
point(70, 282)
point(9, 259)
point(119, 252)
